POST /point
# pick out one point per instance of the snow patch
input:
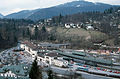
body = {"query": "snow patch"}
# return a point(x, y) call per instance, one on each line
point(78, 6)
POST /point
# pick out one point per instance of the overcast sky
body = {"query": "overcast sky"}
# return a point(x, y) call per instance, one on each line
point(10, 6)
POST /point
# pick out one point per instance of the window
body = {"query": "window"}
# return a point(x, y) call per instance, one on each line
point(47, 57)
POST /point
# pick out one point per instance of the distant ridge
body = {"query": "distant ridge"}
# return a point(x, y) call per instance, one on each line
point(1, 16)
point(64, 9)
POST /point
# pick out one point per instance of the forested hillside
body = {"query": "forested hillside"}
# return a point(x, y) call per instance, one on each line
point(106, 21)
point(10, 31)
point(105, 29)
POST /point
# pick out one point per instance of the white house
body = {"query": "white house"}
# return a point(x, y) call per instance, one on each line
point(22, 46)
point(49, 57)
point(74, 26)
point(67, 26)
point(30, 48)
point(70, 25)
point(78, 25)
point(89, 28)
point(8, 74)
point(40, 57)
point(55, 59)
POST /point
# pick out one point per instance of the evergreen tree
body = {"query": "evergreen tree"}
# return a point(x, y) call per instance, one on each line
point(60, 18)
point(23, 33)
point(11, 30)
point(50, 74)
point(43, 34)
point(52, 37)
point(36, 33)
point(43, 29)
point(15, 39)
point(28, 31)
point(35, 73)
point(1, 37)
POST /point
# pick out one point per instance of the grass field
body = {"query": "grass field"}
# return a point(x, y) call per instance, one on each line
point(76, 32)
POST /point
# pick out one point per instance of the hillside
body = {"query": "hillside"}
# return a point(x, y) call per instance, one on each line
point(75, 34)
point(21, 15)
point(64, 9)
point(1, 16)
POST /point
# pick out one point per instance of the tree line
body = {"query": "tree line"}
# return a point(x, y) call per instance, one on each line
point(10, 31)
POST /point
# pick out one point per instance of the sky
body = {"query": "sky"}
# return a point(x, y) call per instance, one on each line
point(11, 6)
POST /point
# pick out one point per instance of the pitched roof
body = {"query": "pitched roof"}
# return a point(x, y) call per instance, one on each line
point(16, 69)
point(52, 45)
point(29, 44)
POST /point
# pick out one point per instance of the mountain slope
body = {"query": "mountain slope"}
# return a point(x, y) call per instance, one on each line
point(21, 15)
point(1, 16)
point(64, 9)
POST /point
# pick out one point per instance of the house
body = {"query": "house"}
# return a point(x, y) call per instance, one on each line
point(55, 59)
point(15, 71)
point(48, 20)
point(49, 57)
point(67, 26)
point(119, 26)
point(89, 27)
point(74, 26)
point(118, 10)
point(8, 74)
point(70, 25)
point(78, 25)
point(30, 48)
point(40, 57)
